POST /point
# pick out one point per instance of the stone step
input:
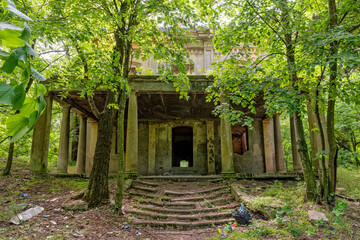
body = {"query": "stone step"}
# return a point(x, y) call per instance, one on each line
point(180, 205)
point(149, 196)
point(215, 195)
point(181, 225)
point(159, 216)
point(145, 189)
point(188, 199)
point(147, 183)
point(217, 215)
point(174, 193)
point(217, 201)
point(183, 178)
point(227, 207)
point(211, 196)
point(177, 217)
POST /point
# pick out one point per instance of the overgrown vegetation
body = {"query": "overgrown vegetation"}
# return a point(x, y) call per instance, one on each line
point(290, 219)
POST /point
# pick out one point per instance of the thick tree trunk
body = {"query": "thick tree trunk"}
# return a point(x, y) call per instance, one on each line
point(7, 168)
point(331, 104)
point(309, 175)
point(98, 191)
point(121, 154)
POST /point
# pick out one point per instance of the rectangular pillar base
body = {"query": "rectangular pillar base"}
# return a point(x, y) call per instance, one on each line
point(228, 174)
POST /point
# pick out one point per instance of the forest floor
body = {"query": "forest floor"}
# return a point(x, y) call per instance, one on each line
point(102, 223)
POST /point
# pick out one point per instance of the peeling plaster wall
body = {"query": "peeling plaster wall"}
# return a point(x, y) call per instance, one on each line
point(252, 161)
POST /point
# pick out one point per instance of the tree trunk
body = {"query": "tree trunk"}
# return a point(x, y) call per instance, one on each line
point(323, 166)
point(98, 191)
point(121, 155)
point(331, 104)
point(309, 176)
point(7, 169)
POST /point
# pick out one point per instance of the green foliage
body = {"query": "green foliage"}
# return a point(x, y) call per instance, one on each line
point(347, 133)
point(17, 71)
point(287, 217)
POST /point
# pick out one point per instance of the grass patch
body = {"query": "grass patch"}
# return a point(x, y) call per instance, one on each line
point(350, 180)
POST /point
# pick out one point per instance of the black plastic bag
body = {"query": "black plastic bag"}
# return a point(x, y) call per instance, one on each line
point(242, 215)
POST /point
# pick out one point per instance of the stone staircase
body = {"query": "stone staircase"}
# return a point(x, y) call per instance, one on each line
point(179, 205)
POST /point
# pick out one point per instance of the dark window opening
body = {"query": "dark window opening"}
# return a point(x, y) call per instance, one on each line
point(239, 139)
point(182, 146)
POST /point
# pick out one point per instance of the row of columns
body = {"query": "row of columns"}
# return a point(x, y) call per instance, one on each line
point(274, 158)
point(273, 148)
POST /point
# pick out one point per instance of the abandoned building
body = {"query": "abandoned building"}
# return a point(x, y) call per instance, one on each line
point(166, 134)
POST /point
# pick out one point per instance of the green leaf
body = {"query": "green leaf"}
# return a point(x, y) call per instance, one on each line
point(29, 106)
point(16, 123)
point(8, 2)
point(32, 119)
point(37, 75)
point(19, 134)
point(26, 33)
point(10, 63)
point(11, 38)
point(41, 103)
point(19, 97)
point(21, 54)
point(43, 89)
point(25, 76)
point(4, 55)
point(6, 93)
point(28, 49)
point(13, 10)
point(9, 26)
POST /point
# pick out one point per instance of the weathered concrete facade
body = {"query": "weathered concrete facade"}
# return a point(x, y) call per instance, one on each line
point(167, 135)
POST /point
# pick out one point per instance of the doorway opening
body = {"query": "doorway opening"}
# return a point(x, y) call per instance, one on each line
point(182, 147)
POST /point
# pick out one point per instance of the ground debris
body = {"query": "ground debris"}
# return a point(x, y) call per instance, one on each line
point(26, 215)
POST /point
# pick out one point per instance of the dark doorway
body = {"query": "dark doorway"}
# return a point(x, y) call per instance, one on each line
point(182, 146)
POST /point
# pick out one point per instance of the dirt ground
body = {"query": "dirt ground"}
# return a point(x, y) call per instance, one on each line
point(56, 223)
point(99, 223)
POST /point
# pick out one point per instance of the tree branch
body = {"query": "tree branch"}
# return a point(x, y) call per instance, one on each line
point(93, 106)
point(263, 58)
point(354, 28)
point(266, 22)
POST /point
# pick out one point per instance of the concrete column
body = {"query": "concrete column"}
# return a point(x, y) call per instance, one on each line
point(63, 153)
point(131, 160)
point(91, 139)
point(227, 159)
point(152, 149)
point(72, 125)
point(279, 151)
point(81, 151)
point(41, 138)
point(297, 166)
point(269, 145)
point(210, 147)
